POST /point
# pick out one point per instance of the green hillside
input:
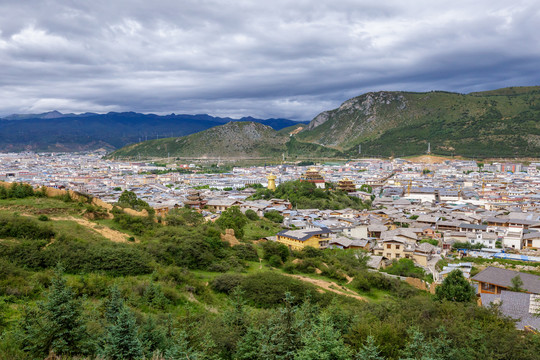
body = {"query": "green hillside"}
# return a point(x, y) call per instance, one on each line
point(232, 140)
point(70, 290)
point(503, 122)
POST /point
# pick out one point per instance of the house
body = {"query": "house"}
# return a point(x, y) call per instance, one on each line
point(375, 230)
point(532, 240)
point(393, 248)
point(513, 238)
point(487, 240)
point(464, 227)
point(493, 280)
point(404, 234)
point(221, 204)
point(423, 253)
point(346, 243)
point(522, 307)
point(298, 239)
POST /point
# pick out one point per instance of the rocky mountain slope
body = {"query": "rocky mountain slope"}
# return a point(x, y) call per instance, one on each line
point(503, 122)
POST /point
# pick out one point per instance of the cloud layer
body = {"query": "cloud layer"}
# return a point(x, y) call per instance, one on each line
point(265, 59)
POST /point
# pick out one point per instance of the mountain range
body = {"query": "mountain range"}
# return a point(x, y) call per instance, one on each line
point(498, 123)
point(54, 131)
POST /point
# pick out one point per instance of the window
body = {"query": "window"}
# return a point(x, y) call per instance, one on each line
point(397, 247)
point(397, 256)
point(388, 255)
point(488, 287)
point(388, 246)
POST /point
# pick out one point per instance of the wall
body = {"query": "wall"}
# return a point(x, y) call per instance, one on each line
point(53, 192)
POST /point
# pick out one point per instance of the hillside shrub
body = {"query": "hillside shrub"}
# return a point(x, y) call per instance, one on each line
point(271, 248)
point(226, 283)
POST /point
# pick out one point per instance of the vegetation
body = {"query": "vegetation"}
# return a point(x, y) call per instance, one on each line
point(305, 195)
point(405, 267)
point(232, 140)
point(488, 124)
point(129, 199)
point(517, 284)
point(179, 292)
point(466, 245)
point(455, 288)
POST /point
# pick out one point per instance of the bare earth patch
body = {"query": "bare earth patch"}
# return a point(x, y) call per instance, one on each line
point(429, 159)
point(106, 232)
point(329, 286)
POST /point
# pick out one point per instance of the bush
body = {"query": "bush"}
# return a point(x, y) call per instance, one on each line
point(246, 252)
point(43, 218)
point(233, 218)
point(405, 267)
point(77, 257)
point(275, 261)
point(274, 248)
point(226, 283)
point(268, 289)
point(274, 216)
point(252, 215)
point(24, 228)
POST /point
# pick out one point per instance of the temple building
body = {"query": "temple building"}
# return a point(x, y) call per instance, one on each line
point(346, 185)
point(313, 176)
point(195, 200)
point(271, 182)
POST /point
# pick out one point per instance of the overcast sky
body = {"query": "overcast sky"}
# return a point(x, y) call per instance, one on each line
point(276, 58)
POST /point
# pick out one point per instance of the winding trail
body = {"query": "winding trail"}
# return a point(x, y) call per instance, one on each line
point(106, 232)
point(329, 286)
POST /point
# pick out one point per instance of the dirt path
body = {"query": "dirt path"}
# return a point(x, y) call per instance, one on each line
point(330, 286)
point(113, 235)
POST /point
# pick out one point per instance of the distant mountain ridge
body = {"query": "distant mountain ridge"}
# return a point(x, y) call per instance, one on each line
point(54, 131)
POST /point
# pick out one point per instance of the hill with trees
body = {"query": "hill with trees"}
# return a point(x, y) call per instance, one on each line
point(171, 288)
point(238, 140)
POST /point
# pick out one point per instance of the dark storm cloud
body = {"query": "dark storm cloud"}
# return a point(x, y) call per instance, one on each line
point(238, 58)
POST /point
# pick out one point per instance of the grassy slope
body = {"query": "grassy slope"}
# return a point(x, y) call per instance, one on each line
point(233, 140)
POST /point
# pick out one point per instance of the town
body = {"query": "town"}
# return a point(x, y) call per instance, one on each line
point(431, 212)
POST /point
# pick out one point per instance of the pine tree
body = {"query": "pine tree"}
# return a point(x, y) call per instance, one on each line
point(121, 341)
point(113, 305)
point(181, 349)
point(418, 347)
point(249, 346)
point(369, 350)
point(152, 337)
point(517, 284)
point(323, 342)
point(56, 325)
point(236, 318)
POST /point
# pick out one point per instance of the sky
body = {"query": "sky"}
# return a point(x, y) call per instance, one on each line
point(290, 59)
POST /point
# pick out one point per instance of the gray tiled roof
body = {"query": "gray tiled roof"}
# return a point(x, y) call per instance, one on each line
point(516, 305)
point(303, 235)
point(503, 277)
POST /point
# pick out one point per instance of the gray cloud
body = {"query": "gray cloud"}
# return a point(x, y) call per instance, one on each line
point(239, 58)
